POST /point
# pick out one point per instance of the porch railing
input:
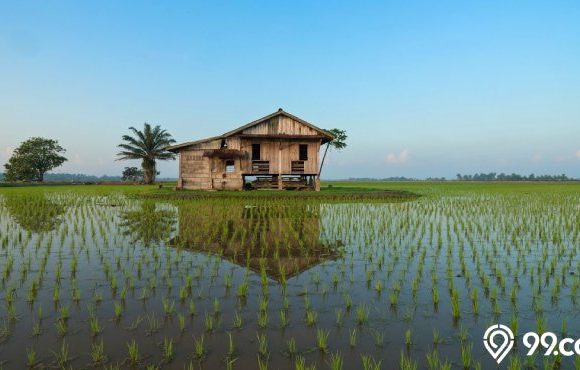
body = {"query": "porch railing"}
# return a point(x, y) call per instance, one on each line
point(260, 167)
point(297, 167)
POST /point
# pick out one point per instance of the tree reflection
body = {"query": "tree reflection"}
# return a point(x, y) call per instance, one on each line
point(34, 213)
point(149, 224)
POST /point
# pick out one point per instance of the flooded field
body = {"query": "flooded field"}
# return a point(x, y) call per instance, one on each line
point(106, 280)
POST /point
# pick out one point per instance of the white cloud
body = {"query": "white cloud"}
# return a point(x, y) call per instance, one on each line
point(578, 154)
point(402, 157)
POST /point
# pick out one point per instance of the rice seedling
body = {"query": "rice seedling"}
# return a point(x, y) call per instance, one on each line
point(31, 359)
point(283, 319)
point(291, 346)
point(98, 297)
point(335, 361)
point(541, 325)
point(406, 363)
point(181, 323)
point(98, 353)
point(168, 307)
point(61, 356)
point(209, 323)
point(352, 338)
point(242, 291)
point(262, 345)
point(514, 363)
point(216, 306)
point(199, 347)
point(229, 363)
point(466, 355)
point(135, 324)
point(133, 352)
point(167, 349)
point(435, 295)
point(379, 338)
point(237, 321)
point(300, 364)
point(433, 360)
point(191, 308)
point(362, 314)
point(262, 319)
point(369, 363)
point(455, 310)
point(36, 328)
point(437, 337)
point(231, 347)
point(514, 324)
point(61, 328)
point(311, 317)
point(322, 340)
point(95, 326)
point(118, 310)
point(347, 302)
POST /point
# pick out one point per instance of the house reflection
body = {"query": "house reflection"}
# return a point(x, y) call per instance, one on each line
point(282, 240)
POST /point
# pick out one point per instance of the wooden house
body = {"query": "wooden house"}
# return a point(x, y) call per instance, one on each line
point(278, 151)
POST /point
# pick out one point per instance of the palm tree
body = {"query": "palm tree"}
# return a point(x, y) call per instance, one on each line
point(149, 146)
point(150, 224)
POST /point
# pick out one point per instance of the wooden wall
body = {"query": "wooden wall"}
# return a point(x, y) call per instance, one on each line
point(281, 155)
point(200, 172)
point(280, 125)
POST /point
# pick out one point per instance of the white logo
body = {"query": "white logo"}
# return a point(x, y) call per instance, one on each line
point(498, 351)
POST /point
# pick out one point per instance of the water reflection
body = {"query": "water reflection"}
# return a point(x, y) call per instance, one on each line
point(34, 213)
point(282, 240)
point(149, 223)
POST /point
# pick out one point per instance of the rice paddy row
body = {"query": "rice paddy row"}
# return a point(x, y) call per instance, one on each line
point(110, 281)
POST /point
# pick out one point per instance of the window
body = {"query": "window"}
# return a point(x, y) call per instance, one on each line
point(303, 152)
point(230, 166)
point(255, 152)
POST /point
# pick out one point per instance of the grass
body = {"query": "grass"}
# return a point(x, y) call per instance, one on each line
point(350, 260)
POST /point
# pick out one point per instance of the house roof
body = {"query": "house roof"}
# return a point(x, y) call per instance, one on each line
point(323, 133)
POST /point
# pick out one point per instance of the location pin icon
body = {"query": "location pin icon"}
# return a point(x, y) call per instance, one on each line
point(498, 340)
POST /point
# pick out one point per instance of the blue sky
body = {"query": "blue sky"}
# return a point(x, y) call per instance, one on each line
point(423, 88)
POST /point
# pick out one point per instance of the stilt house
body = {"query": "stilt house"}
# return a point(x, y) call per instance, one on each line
point(279, 151)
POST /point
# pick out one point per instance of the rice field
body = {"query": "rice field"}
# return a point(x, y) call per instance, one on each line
point(101, 277)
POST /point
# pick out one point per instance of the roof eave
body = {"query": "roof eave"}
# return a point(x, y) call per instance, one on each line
point(176, 148)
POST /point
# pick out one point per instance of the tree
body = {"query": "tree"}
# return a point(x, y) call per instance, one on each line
point(338, 143)
point(132, 174)
point(148, 146)
point(33, 158)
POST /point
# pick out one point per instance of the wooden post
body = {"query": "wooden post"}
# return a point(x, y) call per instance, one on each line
point(323, 158)
point(180, 179)
point(280, 185)
point(210, 161)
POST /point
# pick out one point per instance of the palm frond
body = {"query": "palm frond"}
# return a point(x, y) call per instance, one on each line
point(147, 144)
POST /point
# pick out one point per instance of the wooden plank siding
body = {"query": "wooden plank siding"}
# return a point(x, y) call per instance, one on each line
point(279, 135)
